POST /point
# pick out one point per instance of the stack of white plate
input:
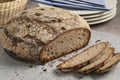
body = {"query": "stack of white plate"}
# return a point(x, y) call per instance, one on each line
point(96, 17)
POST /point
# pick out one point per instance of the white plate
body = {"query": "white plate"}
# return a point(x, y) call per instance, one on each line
point(101, 17)
point(110, 4)
point(11, 69)
point(102, 20)
point(99, 14)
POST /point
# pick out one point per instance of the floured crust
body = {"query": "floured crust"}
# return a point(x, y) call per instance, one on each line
point(20, 51)
point(47, 22)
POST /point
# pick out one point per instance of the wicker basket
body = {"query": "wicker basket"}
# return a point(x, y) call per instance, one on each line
point(9, 8)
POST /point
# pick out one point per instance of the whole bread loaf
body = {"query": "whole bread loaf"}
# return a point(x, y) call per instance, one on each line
point(28, 32)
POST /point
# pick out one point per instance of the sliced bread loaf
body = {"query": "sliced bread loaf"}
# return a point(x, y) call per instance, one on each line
point(83, 57)
point(100, 61)
point(27, 32)
point(65, 43)
point(109, 64)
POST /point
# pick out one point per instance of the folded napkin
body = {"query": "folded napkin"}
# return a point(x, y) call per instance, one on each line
point(98, 2)
point(79, 2)
point(70, 5)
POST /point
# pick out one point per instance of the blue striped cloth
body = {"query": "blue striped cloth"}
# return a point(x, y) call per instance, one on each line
point(75, 4)
point(98, 2)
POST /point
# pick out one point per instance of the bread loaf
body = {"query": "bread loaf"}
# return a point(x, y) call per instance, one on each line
point(28, 32)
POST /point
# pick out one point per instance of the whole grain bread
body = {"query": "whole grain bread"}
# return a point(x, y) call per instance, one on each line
point(26, 33)
point(83, 57)
point(67, 42)
point(112, 62)
point(99, 62)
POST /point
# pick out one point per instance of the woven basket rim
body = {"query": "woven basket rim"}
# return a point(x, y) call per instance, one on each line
point(8, 9)
point(11, 8)
point(11, 2)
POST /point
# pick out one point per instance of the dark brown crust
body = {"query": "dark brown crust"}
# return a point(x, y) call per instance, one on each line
point(23, 59)
point(75, 67)
point(30, 59)
point(43, 61)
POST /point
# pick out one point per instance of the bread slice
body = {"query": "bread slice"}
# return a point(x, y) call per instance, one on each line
point(65, 43)
point(109, 64)
point(92, 66)
point(83, 57)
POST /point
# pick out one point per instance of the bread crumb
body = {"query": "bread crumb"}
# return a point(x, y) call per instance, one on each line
point(53, 62)
point(51, 65)
point(17, 74)
point(80, 77)
point(60, 59)
point(30, 66)
point(44, 70)
point(97, 41)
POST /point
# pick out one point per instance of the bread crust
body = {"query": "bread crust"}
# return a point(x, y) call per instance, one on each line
point(22, 59)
